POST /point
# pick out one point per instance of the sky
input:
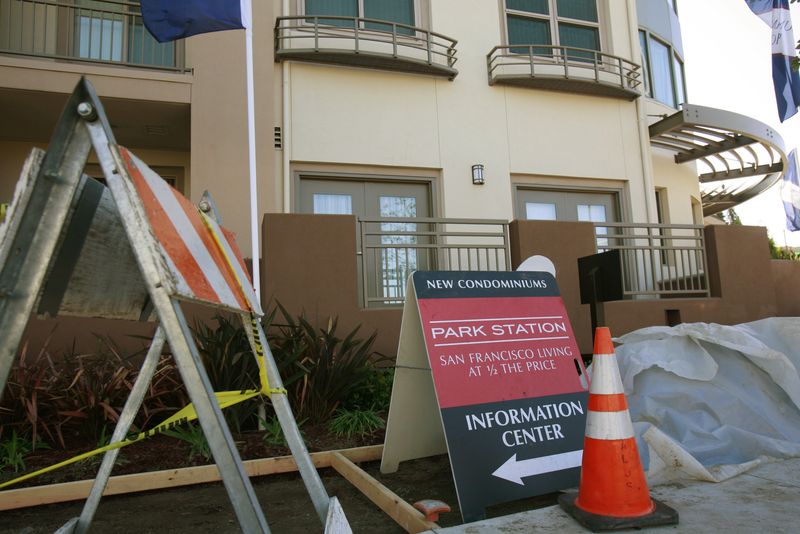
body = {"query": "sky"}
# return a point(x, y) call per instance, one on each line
point(727, 52)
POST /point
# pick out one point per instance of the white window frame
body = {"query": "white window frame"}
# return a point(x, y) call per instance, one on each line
point(553, 19)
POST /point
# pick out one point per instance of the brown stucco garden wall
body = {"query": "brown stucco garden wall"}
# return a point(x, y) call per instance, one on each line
point(786, 279)
point(562, 242)
point(739, 268)
point(310, 266)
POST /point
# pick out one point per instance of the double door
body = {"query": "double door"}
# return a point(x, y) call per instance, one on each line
point(388, 250)
point(586, 206)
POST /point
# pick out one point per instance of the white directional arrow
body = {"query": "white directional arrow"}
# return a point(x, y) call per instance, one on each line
point(514, 471)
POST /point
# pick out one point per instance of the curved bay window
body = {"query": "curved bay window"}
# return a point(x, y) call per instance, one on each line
point(663, 71)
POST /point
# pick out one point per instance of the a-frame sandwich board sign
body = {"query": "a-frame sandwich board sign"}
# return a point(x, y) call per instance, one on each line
point(135, 250)
point(488, 370)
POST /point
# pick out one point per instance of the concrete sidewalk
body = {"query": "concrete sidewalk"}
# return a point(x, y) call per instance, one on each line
point(763, 500)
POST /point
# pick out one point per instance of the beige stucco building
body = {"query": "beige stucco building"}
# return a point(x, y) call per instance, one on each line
point(545, 110)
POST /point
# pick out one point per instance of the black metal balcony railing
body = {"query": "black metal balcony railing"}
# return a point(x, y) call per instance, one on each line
point(392, 248)
point(658, 260)
point(105, 32)
point(365, 42)
point(564, 68)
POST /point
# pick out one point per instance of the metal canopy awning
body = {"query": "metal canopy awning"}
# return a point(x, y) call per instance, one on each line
point(740, 156)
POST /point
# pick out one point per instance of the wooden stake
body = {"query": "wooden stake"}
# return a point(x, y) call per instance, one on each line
point(187, 476)
point(397, 508)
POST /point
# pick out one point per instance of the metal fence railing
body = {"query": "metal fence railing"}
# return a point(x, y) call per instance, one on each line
point(363, 35)
point(658, 260)
point(100, 31)
point(392, 248)
point(565, 62)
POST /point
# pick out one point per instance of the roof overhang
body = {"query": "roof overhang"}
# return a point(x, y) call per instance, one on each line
point(727, 146)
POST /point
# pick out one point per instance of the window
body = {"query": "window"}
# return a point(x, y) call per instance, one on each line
point(569, 23)
point(333, 204)
point(108, 31)
point(540, 211)
point(100, 33)
point(595, 213)
point(556, 205)
point(679, 82)
point(663, 71)
point(399, 11)
point(397, 262)
point(645, 63)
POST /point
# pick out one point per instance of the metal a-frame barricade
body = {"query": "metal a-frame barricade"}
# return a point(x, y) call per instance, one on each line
point(60, 220)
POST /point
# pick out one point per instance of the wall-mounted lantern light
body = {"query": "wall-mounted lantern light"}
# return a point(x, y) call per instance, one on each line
point(477, 174)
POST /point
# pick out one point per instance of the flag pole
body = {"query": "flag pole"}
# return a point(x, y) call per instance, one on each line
point(251, 152)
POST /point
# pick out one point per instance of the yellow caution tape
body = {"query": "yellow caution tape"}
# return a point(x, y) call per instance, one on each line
point(224, 398)
point(262, 368)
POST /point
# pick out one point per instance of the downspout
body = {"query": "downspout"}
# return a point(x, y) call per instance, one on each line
point(641, 123)
point(286, 133)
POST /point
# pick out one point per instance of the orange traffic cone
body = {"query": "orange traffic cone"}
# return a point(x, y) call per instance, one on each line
point(613, 492)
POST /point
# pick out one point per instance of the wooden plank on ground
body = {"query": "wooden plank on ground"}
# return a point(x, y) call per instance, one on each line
point(171, 478)
point(398, 509)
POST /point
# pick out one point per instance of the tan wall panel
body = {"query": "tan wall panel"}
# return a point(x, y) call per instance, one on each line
point(359, 116)
point(472, 115)
point(219, 156)
point(567, 135)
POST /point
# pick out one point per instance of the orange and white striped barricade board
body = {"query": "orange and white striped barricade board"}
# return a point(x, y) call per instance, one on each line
point(488, 371)
point(132, 249)
point(199, 265)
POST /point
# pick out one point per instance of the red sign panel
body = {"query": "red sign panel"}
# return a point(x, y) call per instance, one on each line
point(509, 381)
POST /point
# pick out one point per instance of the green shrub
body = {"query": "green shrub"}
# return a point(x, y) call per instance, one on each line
point(14, 450)
point(351, 423)
point(192, 434)
point(229, 362)
point(273, 432)
point(375, 393)
point(330, 368)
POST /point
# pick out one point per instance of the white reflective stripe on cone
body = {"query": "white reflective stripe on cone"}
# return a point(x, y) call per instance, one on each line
point(609, 425)
point(605, 375)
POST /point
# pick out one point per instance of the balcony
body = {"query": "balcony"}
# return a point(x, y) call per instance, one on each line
point(391, 249)
point(658, 260)
point(101, 32)
point(368, 43)
point(564, 69)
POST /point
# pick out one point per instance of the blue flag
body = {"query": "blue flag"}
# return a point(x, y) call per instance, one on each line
point(775, 13)
point(790, 193)
point(167, 20)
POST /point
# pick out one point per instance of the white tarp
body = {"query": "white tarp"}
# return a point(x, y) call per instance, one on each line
point(712, 400)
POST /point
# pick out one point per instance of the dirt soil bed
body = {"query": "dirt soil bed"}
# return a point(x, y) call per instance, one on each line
point(206, 509)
